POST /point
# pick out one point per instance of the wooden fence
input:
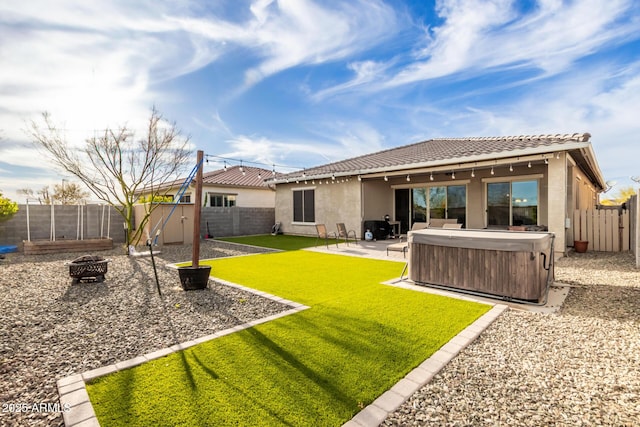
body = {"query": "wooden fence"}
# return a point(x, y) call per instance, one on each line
point(606, 230)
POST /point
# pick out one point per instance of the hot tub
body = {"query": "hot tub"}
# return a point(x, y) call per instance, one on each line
point(511, 265)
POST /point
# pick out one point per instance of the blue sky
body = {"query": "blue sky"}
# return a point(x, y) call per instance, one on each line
point(302, 83)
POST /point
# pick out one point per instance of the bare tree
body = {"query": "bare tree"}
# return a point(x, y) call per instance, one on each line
point(116, 166)
point(68, 194)
point(42, 195)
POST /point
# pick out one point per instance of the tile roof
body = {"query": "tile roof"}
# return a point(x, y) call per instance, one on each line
point(237, 176)
point(440, 150)
point(230, 177)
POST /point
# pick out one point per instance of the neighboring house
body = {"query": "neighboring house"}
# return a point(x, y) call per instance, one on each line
point(241, 186)
point(493, 182)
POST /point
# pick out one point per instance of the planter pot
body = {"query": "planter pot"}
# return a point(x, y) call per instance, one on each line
point(580, 246)
point(194, 278)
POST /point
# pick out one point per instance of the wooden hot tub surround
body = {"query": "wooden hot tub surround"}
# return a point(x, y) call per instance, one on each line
point(505, 264)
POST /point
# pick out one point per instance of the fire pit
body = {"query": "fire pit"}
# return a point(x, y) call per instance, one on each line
point(88, 267)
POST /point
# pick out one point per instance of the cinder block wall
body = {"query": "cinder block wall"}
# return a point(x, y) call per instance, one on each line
point(92, 223)
point(236, 221)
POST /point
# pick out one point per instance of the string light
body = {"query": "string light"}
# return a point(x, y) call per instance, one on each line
point(453, 175)
point(529, 165)
point(546, 161)
point(431, 177)
point(510, 168)
point(473, 173)
point(492, 172)
point(408, 178)
point(359, 178)
point(386, 178)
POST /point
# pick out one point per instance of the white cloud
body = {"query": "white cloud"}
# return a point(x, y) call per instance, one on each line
point(602, 101)
point(490, 35)
point(290, 33)
point(365, 72)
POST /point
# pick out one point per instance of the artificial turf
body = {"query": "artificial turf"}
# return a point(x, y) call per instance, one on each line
point(317, 367)
point(285, 242)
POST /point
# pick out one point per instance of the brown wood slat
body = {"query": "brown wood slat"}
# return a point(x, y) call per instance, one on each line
point(48, 247)
point(510, 274)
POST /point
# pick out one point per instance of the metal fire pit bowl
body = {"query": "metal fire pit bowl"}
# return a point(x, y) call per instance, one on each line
point(88, 267)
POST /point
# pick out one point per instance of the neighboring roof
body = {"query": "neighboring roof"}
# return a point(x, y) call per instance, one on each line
point(442, 151)
point(238, 176)
point(233, 177)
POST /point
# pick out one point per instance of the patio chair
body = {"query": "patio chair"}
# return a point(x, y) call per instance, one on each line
point(344, 234)
point(449, 225)
point(323, 234)
point(404, 246)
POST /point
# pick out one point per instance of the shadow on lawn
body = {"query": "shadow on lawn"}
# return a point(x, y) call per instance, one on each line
point(228, 384)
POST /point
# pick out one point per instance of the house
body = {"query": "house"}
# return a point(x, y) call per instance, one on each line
point(236, 200)
point(241, 186)
point(481, 182)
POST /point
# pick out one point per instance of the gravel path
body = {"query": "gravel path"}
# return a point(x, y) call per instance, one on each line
point(579, 367)
point(50, 329)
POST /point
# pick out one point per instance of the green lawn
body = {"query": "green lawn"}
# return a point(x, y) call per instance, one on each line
point(317, 367)
point(283, 242)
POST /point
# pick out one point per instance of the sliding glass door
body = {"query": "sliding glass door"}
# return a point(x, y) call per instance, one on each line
point(512, 203)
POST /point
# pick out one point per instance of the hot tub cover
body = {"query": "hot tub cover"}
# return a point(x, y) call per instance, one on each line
point(512, 241)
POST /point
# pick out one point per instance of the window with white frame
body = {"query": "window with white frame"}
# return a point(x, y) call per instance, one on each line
point(222, 200)
point(304, 205)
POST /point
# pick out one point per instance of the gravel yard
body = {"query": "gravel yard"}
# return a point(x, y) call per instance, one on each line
point(580, 366)
point(50, 329)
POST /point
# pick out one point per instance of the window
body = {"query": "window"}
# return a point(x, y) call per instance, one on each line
point(304, 206)
point(512, 203)
point(448, 202)
point(184, 199)
point(419, 205)
point(445, 201)
point(222, 200)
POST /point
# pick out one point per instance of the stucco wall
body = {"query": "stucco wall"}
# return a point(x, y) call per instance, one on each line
point(246, 197)
point(378, 198)
point(334, 203)
point(557, 201)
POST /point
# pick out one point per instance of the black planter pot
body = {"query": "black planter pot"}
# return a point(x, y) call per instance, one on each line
point(193, 278)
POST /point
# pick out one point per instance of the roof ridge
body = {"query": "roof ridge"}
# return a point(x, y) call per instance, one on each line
point(579, 137)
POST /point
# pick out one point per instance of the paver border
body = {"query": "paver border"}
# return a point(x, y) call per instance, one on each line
point(375, 413)
point(72, 389)
point(73, 393)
